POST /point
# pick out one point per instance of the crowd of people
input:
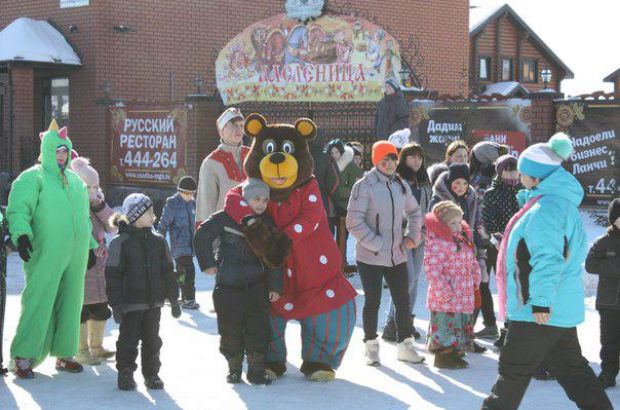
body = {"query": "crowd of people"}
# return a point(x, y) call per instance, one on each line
point(480, 214)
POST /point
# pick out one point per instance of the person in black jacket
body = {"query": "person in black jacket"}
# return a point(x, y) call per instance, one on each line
point(392, 111)
point(246, 280)
point(604, 260)
point(139, 276)
point(328, 177)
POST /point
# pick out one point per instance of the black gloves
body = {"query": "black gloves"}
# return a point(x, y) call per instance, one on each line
point(117, 314)
point(24, 247)
point(92, 259)
point(175, 309)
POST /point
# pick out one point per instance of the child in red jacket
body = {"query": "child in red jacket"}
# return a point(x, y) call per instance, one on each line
point(453, 274)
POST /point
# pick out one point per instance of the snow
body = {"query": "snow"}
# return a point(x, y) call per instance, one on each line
point(31, 40)
point(194, 371)
point(505, 88)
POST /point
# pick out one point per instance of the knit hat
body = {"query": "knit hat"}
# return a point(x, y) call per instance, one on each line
point(487, 152)
point(136, 205)
point(540, 160)
point(187, 184)
point(456, 171)
point(254, 187)
point(400, 138)
point(85, 171)
point(227, 116)
point(392, 83)
point(338, 144)
point(614, 211)
point(446, 211)
point(505, 162)
point(380, 149)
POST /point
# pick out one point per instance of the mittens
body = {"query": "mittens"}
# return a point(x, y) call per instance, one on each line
point(278, 248)
point(24, 247)
point(92, 259)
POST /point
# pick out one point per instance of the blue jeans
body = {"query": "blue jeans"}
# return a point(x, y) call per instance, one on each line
point(415, 259)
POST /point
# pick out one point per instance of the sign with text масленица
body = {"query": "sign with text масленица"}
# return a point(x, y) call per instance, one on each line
point(148, 145)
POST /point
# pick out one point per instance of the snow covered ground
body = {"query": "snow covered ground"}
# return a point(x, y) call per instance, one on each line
point(194, 371)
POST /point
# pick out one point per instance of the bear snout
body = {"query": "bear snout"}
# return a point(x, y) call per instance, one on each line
point(277, 158)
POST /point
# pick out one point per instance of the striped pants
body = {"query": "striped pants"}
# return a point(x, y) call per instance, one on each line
point(325, 337)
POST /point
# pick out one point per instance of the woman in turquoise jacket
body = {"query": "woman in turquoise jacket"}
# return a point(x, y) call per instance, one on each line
point(540, 283)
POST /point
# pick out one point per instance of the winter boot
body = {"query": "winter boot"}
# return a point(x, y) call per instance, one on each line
point(502, 339)
point(414, 332)
point(489, 332)
point(275, 369)
point(389, 331)
point(372, 353)
point(449, 358)
point(407, 353)
point(153, 382)
point(474, 347)
point(190, 304)
point(606, 380)
point(96, 328)
point(256, 368)
point(235, 363)
point(69, 365)
point(22, 368)
point(125, 380)
point(84, 356)
point(318, 372)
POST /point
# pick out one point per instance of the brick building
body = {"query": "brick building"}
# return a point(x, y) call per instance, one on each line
point(507, 56)
point(153, 50)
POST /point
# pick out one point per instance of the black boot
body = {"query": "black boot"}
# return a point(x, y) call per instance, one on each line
point(414, 332)
point(502, 339)
point(153, 382)
point(235, 364)
point(389, 331)
point(125, 380)
point(256, 368)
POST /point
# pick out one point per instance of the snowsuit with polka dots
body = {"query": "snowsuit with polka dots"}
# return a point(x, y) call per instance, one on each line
point(315, 291)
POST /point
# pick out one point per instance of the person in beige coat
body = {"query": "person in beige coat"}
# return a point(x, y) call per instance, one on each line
point(95, 311)
point(222, 169)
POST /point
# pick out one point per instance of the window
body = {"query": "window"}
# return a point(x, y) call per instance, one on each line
point(485, 68)
point(507, 69)
point(529, 71)
point(56, 101)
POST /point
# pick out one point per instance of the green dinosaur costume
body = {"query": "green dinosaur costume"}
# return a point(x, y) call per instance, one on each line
point(50, 206)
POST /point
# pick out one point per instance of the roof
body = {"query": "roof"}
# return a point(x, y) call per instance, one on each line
point(36, 41)
point(612, 77)
point(479, 19)
point(506, 89)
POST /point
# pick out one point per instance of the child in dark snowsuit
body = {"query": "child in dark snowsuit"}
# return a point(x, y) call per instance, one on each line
point(604, 260)
point(179, 218)
point(246, 281)
point(139, 276)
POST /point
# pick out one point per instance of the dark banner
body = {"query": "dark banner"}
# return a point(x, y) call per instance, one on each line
point(149, 145)
point(594, 128)
point(434, 125)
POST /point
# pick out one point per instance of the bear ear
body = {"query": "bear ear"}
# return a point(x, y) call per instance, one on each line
point(306, 128)
point(254, 124)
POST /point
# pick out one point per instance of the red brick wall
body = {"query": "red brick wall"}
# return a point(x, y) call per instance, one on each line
point(486, 44)
point(183, 37)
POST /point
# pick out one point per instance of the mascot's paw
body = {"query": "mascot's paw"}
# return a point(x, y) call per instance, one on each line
point(257, 234)
point(273, 370)
point(318, 372)
point(278, 249)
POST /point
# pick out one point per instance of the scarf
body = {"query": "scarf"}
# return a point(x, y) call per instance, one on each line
point(501, 267)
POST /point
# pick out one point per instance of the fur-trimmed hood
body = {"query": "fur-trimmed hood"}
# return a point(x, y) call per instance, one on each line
point(443, 191)
point(435, 170)
point(345, 158)
point(434, 226)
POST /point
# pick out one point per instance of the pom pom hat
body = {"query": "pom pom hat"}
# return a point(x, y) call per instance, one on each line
point(540, 160)
point(381, 149)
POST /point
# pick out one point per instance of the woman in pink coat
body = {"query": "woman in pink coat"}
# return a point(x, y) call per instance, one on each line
point(453, 274)
point(95, 311)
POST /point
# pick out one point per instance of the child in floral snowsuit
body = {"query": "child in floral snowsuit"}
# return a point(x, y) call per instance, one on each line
point(453, 273)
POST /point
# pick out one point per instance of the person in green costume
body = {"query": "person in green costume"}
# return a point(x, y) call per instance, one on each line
point(49, 221)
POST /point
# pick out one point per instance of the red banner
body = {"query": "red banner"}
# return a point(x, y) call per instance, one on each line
point(149, 145)
point(516, 140)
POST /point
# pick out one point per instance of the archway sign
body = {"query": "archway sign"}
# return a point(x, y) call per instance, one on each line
point(330, 59)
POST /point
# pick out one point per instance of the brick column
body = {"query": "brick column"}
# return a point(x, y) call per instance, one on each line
point(543, 122)
point(22, 96)
point(202, 133)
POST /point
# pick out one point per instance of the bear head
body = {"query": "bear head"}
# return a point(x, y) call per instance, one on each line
point(279, 154)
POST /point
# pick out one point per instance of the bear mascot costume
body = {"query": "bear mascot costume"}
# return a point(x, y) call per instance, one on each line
point(316, 293)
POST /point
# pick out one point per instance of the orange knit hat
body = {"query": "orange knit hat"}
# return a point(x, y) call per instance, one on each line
point(382, 148)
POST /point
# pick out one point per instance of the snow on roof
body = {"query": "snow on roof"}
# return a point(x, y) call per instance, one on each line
point(38, 41)
point(505, 88)
point(479, 14)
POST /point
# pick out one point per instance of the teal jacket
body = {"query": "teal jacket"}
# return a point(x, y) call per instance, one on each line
point(546, 250)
